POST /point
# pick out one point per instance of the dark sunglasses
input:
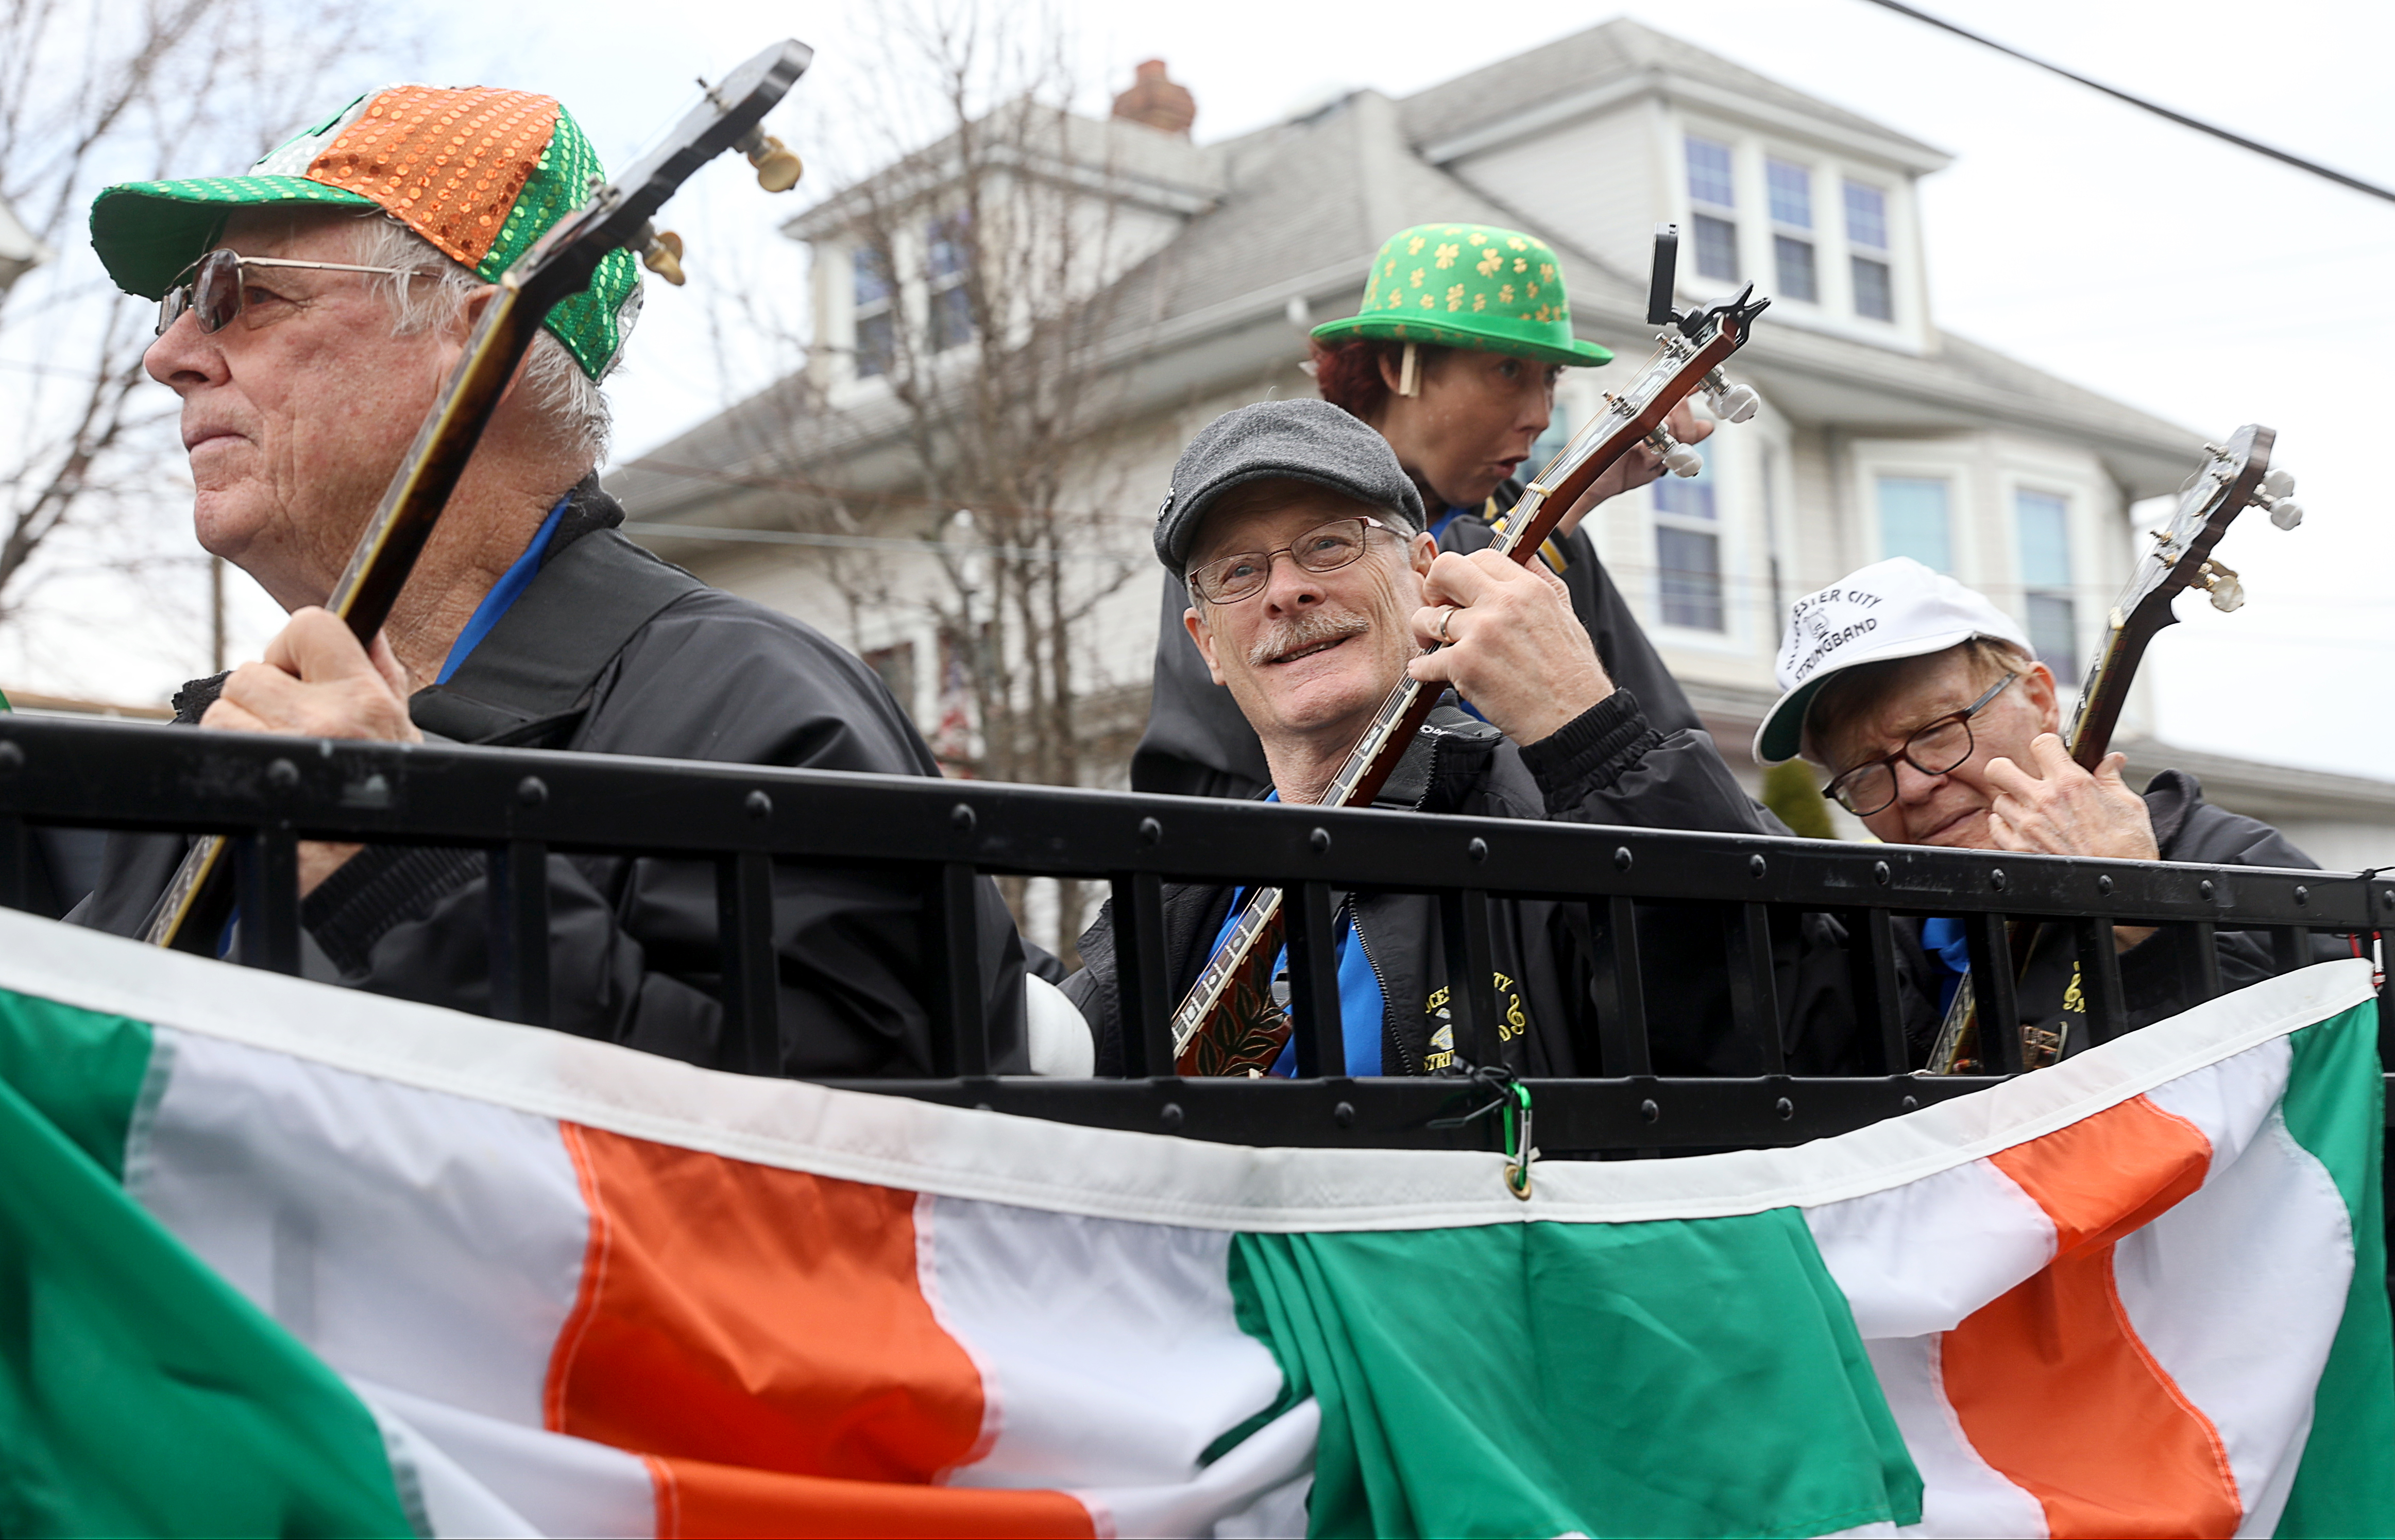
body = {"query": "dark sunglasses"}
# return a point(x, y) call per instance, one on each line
point(212, 287)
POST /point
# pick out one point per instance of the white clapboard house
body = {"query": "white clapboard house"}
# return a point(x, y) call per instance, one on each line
point(1881, 435)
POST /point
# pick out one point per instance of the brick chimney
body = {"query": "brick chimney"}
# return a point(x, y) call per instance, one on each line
point(1154, 100)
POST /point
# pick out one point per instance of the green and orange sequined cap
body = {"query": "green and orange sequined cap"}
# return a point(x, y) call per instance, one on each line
point(1499, 291)
point(478, 171)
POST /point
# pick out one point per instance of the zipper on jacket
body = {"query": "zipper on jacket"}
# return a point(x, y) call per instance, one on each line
point(1389, 1032)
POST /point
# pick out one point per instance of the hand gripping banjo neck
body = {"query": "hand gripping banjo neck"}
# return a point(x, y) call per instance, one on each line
point(193, 911)
point(1229, 1022)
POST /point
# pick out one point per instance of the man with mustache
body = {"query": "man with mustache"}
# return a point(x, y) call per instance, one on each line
point(1453, 357)
point(1313, 589)
point(1939, 726)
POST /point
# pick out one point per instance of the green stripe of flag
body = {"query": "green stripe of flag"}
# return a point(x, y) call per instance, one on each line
point(139, 1392)
point(1678, 1377)
point(2335, 1107)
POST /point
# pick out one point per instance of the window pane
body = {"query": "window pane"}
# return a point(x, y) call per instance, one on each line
point(1709, 174)
point(873, 345)
point(1875, 296)
point(1866, 215)
point(1912, 521)
point(1692, 496)
point(2045, 524)
point(872, 276)
point(896, 666)
point(1691, 588)
point(1717, 248)
point(1792, 194)
point(2054, 636)
point(951, 318)
point(1797, 280)
point(943, 247)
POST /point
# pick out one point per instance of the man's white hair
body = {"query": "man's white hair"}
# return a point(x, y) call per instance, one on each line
point(554, 381)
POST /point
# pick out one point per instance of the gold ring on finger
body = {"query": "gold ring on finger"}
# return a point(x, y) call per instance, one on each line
point(1446, 613)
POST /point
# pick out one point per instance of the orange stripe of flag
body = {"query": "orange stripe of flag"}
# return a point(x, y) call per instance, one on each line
point(2050, 1381)
point(760, 1337)
point(730, 1500)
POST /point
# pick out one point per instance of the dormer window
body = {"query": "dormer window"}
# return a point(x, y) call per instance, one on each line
point(1713, 197)
point(1791, 186)
point(1867, 241)
point(875, 289)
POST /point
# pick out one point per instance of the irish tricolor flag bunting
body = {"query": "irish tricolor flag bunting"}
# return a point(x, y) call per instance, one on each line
point(277, 1259)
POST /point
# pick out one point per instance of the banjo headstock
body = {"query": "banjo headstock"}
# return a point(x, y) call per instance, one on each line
point(726, 117)
point(2233, 477)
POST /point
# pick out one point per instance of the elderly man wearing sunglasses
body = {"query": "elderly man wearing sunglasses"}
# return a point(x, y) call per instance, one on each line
point(1939, 726)
point(1312, 589)
point(308, 311)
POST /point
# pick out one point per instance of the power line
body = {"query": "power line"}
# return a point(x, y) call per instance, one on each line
point(2341, 178)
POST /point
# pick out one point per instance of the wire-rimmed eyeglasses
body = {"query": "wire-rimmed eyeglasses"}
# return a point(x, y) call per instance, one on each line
point(1324, 548)
point(1933, 750)
point(213, 289)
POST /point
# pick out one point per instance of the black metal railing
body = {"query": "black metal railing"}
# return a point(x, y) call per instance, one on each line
point(522, 805)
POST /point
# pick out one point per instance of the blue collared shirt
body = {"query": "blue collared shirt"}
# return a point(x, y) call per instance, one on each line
point(1361, 1004)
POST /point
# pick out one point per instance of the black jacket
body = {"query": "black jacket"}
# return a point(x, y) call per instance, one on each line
point(610, 651)
point(2156, 977)
point(1609, 766)
point(1198, 744)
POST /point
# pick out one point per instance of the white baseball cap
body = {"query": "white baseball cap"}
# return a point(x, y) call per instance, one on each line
point(1892, 609)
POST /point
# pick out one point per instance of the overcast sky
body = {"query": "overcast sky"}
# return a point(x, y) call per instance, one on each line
point(2199, 282)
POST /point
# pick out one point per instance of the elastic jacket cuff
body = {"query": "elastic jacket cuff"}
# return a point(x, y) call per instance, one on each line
point(377, 888)
point(1591, 751)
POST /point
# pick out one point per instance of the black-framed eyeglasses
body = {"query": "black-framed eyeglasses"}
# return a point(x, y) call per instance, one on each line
point(1933, 750)
point(212, 287)
point(1324, 548)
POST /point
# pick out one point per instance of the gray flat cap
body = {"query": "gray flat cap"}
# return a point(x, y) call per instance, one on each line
point(1303, 440)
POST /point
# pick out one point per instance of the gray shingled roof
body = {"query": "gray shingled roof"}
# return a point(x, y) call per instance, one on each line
point(1306, 204)
point(1604, 53)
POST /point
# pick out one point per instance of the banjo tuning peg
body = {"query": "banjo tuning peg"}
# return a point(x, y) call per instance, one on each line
point(661, 254)
point(778, 167)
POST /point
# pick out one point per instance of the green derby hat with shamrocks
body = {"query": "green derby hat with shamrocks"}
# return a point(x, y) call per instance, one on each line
point(1498, 291)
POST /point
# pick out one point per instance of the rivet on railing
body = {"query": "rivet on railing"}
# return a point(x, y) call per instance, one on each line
point(1343, 1114)
point(1908, 1103)
point(1648, 1111)
point(282, 775)
point(532, 790)
point(2205, 888)
point(1996, 879)
point(1150, 832)
point(757, 804)
point(1785, 1108)
point(1320, 840)
point(1477, 850)
point(1621, 858)
point(2104, 887)
point(960, 819)
point(11, 757)
point(1171, 1116)
point(1879, 873)
point(1756, 865)
point(2303, 894)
